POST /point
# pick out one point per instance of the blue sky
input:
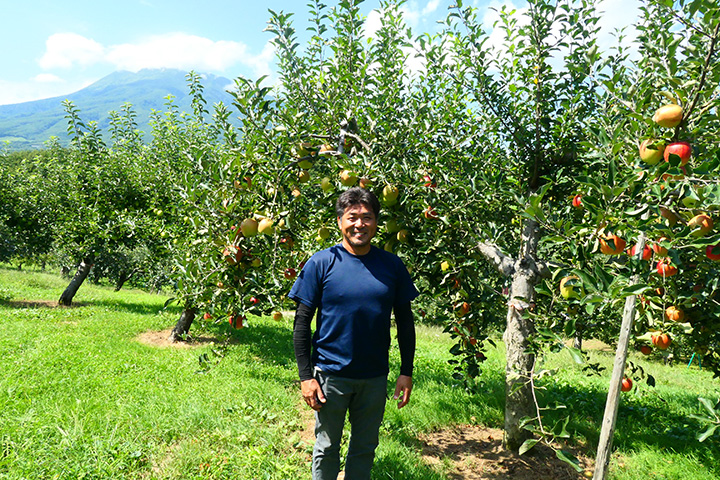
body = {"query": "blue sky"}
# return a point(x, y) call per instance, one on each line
point(56, 47)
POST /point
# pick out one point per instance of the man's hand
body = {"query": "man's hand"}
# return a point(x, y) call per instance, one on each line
point(312, 393)
point(403, 387)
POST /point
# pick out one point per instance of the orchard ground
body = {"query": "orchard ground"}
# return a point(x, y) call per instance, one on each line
point(95, 390)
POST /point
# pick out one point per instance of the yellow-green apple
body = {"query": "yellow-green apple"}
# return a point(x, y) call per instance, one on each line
point(265, 226)
point(390, 194)
point(303, 176)
point(651, 151)
point(570, 286)
point(249, 227)
point(326, 184)
point(668, 116)
point(348, 178)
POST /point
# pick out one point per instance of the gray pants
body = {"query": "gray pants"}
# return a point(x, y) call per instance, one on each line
point(364, 399)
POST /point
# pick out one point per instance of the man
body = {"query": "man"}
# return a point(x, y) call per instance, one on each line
point(354, 287)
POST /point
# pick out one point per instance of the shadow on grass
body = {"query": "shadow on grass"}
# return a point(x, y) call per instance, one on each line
point(132, 307)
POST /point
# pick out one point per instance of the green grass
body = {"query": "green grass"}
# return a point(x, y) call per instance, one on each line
point(82, 398)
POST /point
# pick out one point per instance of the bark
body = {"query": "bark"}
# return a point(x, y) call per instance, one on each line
point(82, 272)
point(182, 327)
point(525, 272)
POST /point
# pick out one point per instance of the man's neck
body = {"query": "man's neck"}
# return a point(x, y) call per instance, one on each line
point(357, 251)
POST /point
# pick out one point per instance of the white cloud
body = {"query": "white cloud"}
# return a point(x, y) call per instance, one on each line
point(616, 14)
point(173, 50)
point(63, 50)
point(372, 24)
point(47, 78)
point(431, 6)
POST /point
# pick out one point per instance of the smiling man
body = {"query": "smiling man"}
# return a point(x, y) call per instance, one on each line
point(354, 287)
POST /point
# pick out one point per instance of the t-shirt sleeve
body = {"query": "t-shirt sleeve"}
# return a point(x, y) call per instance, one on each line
point(406, 291)
point(307, 286)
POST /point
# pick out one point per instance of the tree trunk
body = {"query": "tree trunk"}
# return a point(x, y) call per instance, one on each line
point(124, 277)
point(182, 327)
point(577, 343)
point(519, 364)
point(525, 273)
point(82, 272)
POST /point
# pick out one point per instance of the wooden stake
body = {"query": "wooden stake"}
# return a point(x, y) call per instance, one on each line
point(602, 460)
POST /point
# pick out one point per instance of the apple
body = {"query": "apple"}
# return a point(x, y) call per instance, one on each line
point(326, 184)
point(245, 183)
point(304, 149)
point(659, 250)
point(462, 309)
point(577, 201)
point(661, 341)
point(326, 150)
point(277, 316)
point(646, 350)
point(646, 255)
point(303, 176)
point(348, 178)
point(700, 225)
point(254, 300)
point(430, 213)
point(295, 192)
point(660, 291)
point(323, 233)
point(265, 226)
point(392, 226)
point(287, 242)
point(290, 273)
point(713, 252)
point(249, 227)
point(674, 314)
point(665, 269)
point(236, 321)
point(429, 183)
point(570, 286)
point(403, 236)
point(626, 385)
point(681, 149)
point(651, 151)
point(232, 254)
point(612, 244)
point(390, 194)
point(668, 116)
point(207, 315)
point(256, 262)
point(445, 266)
point(365, 183)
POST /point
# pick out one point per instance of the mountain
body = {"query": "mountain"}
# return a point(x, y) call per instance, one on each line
point(28, 125)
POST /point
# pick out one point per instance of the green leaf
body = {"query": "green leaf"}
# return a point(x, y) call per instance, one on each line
point(569, 458)
point(576, 355)
point(527, 445)
point(707, 433)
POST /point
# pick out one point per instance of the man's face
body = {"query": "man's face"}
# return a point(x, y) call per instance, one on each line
point(358, 226)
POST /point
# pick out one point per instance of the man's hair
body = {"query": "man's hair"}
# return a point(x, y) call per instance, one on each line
point(357, 196)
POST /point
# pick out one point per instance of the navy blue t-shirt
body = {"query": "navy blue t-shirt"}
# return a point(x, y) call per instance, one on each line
point(354, 296)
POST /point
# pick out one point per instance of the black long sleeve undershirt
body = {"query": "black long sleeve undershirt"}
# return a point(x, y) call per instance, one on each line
point(302, 339)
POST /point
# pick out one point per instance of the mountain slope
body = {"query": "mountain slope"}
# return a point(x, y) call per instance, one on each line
point(30, 124)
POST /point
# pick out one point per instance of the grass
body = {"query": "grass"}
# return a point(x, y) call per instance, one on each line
point(82, 398)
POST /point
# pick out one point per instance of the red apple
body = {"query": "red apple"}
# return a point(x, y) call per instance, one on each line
point(577, 201)
point(713, 252)
point(626, 385)
point(429, 183)
point(681, 149)
point(646, 255)
point(646, 350)
point(665, 269)
point(290, 273)
point(612, 244)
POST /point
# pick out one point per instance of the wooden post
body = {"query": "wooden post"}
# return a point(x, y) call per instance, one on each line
point(602, 460)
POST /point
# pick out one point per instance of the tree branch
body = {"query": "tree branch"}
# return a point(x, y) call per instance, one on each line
point(504, 264)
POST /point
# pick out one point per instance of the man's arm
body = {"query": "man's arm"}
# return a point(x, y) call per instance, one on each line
point(406, 342)
point(311, 391)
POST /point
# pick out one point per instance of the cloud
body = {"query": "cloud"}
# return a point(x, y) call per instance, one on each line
point(183, 51)
point(431, 6)
point(172, 50)
point(47, 78)
point(63, 50)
